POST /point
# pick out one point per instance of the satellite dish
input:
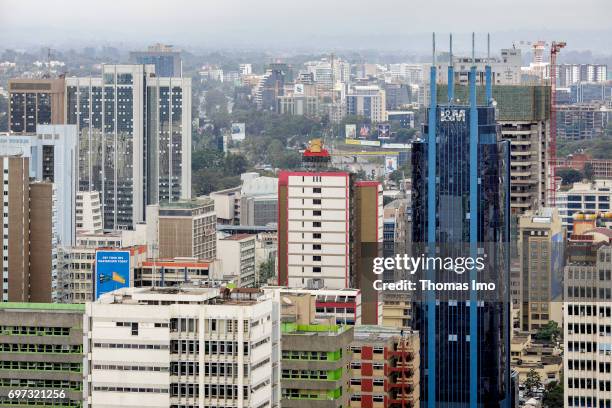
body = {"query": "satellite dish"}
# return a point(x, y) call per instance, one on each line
point(287, 301)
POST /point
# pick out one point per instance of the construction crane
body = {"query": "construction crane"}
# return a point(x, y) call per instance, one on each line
point(555, 48)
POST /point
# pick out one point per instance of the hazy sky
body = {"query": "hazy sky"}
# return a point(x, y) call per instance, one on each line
point(309, 23)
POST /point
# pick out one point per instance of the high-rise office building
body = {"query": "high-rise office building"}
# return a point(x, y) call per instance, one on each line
point(166, 59)
point(460, 207)
point(541, 241)
point(569, 74)
point(52, 152)
point(35, 102)
point(183, 347)
point(42, 350)
point(583, 197)
point(587, 317)
point(134, 132)
point(29, 238)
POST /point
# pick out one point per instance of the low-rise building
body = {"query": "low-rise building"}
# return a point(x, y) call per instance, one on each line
point(544, 358)
point(384, 368)
point(41, 352)
point(237, 259)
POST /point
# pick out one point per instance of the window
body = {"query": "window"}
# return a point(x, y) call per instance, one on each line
point(316, 269)
point(316, 213)
point(316, 224)
point(316, 189)
point(316, 257)
point(316, 247)
point(134, 329)
point(316, 235)
point(316, 201)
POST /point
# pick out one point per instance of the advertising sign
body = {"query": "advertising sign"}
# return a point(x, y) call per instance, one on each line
point(375, 143)
point(238, 131)
point(384, 131)
point(112, 271)
point(351, 131)
point(364, 131)
point(390, 164)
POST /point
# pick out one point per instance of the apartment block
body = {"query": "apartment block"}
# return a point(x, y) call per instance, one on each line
point(41, 348)
point(587, 316)
point(237, 259)
point(368, 101)
point(183, 347)
point(35, 102)
point(29, 238)
point(384, 368)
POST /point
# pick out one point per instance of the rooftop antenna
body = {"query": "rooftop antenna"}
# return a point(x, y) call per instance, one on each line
point(488, 46)
point(488, 75)
point(433, 39)
point(473, 48)
point(451, 73)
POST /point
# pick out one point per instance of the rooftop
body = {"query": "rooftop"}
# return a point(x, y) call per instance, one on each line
point(237, 237)
point(42, 306)
point(186, 204)
point(380, 333)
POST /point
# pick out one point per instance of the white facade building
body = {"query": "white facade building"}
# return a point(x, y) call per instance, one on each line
point(182, 348)
point(589, 198)
point(236, 254)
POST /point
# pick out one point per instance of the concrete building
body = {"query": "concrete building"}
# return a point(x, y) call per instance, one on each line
point(325, 218)
point(588, 198)
point(541, 242)
point(173, 272)
point(342, 306)
point(583, 121)
point(602, 168)
point(314, 355)
point(587, 316)
point(368, 101)
point(298, 105)
point(41, 345)
point(52, 152)
point(29, 237)
point(166, 59)
point(184, 228)
point(236, 254)
point(545, 359)
point(183, 347)
point(227, 205)
point(384, 368)
point(505, 70)
point(88, 213)
point(134, 131)
point(259, 201)
point(35, 102)
point(397, 310)
point(569, 74)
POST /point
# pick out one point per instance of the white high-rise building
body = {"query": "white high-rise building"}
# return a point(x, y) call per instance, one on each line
point(588, 198)
point(187, 347)
point(134, 136)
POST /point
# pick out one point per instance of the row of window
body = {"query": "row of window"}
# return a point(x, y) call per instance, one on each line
point(132, 389)
point(589, 384)
point(131, 346)
point(588, 310)
point(129, 368)
point(588, 365)
point(40, 348)
point(40, 366)
point(34, 331)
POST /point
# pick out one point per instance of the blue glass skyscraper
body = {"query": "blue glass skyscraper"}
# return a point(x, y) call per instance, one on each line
point(460, 206)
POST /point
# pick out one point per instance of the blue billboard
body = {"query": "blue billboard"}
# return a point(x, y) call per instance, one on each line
point(112, 271)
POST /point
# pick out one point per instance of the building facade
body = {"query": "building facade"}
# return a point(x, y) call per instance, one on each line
point(368, 101)
point(35, 102)
point(41, 345)
point(134, 131)
point(166, 59)
point(461, 205)
point(187, 347)
point(587, 198)
point(237, 257)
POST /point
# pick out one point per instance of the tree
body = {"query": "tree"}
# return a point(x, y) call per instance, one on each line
point(266, 270)
point(569, 176)
point(533, 382)
point(548, 333)
point(553, 395)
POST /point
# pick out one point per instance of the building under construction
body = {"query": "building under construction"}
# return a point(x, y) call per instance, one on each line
point(523, 113)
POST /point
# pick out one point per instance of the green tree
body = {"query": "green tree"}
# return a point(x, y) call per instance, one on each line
point(266, 271)
point(550, 332)
point(588, 171)
point(532, 382)
point(569, 176)
point(553, 395)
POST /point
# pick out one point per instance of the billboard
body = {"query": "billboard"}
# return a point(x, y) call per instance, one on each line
point(364, 131)
point(350, 131)
point(362, 142)
point(238, 131)
point(384, 131)
point(390, 164)
point(112, 271)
